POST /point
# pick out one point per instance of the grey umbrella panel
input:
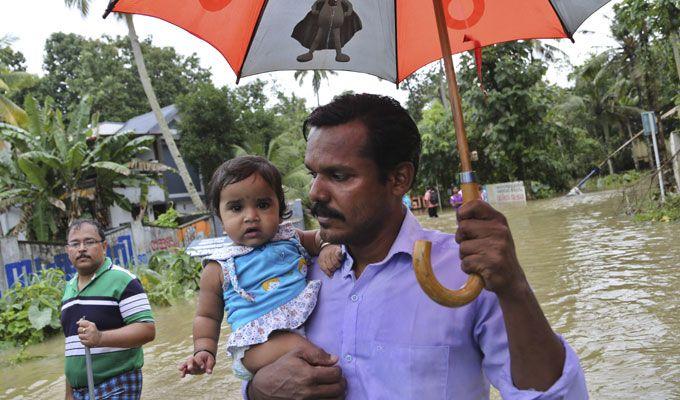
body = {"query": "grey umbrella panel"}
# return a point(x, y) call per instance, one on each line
point(356, 35)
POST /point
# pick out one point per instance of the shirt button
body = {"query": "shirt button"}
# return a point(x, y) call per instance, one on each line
point(348, 358)
point(354, 298)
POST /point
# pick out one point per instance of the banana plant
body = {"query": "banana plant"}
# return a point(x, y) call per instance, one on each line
point(10, 82)
point(54, 173)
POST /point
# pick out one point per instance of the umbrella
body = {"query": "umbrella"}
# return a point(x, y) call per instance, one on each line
point(390, 39)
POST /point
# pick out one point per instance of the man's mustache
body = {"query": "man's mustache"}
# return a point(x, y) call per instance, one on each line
point(322, 210)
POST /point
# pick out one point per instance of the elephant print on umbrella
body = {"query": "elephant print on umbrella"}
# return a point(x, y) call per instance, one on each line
point(329, 25)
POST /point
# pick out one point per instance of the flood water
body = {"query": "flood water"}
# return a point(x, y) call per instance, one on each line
point(607, 284)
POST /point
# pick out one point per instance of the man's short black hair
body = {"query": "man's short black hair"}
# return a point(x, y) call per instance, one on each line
point(393, 136)
point(238, 169)
point(80, 222)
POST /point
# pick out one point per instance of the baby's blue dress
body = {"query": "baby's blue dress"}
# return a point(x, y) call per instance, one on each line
point(265, 289)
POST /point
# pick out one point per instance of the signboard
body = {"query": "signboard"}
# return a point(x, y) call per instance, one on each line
point(648, 123)
point(508, 192)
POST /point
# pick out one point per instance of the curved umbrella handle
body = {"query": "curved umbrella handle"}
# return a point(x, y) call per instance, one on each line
point(435, 290)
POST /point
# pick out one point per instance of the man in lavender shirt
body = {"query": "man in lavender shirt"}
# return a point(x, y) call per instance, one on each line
point(388, 340)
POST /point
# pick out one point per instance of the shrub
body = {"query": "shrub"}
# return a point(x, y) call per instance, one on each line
point(169, 275)
point(653, 211)
point(615, 181)
point(29, 313)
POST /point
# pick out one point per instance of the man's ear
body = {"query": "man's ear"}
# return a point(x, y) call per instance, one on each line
point(401, 178)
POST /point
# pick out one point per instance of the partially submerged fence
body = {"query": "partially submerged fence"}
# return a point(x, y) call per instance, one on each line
point(128, 244)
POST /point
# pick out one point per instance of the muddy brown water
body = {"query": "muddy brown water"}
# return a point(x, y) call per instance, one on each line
point(606, 283)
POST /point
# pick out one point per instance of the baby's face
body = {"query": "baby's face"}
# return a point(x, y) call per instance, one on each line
point(249, 211)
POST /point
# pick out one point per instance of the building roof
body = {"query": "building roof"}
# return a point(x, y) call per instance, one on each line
point(144, 124)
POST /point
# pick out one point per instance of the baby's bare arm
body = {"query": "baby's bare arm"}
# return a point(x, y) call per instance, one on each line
point(210, 309)
point(209, 313)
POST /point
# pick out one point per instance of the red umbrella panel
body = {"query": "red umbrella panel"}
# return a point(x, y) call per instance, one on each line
point(390, 39)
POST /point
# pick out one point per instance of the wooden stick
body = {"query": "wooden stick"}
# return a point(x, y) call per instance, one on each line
point(421, 252)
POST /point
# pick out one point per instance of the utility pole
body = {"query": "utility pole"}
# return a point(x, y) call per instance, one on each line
point(649, 126)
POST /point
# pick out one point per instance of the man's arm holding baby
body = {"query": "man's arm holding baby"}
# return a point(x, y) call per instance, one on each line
point(300, 374)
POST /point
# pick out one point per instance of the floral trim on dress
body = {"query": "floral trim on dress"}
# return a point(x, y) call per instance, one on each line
point(285, 317)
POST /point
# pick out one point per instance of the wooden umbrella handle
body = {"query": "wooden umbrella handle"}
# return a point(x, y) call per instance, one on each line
point(435, 290)
point(425, 276)
point(421, 251)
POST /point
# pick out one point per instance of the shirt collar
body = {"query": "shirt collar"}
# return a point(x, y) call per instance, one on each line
point(410, 231)
point(103, 268)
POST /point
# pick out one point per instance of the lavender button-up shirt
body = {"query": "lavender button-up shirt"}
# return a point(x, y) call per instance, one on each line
point(396, 343)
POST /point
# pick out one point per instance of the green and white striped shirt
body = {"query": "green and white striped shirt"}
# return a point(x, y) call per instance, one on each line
point(112, 299)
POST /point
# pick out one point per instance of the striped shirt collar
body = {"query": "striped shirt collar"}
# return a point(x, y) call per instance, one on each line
point(107, 265)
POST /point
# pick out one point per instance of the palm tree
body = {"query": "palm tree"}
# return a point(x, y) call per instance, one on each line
point(52, 173)
point(604, 95)
point(284, 152)
point(317, 76)
point(83, 6)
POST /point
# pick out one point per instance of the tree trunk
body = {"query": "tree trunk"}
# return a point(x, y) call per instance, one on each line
point(165, 130)
point(442, 87)
point(605, 129)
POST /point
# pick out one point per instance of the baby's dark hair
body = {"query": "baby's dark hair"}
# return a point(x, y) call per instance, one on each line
point(238, 169)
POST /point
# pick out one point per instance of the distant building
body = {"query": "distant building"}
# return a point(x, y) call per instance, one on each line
point(158, 200)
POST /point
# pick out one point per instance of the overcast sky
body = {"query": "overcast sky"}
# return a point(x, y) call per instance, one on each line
point(32, 21)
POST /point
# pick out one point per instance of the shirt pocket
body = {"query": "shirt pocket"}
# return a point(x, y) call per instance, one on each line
point(403, 371)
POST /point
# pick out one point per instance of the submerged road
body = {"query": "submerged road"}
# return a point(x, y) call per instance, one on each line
point(606, 283)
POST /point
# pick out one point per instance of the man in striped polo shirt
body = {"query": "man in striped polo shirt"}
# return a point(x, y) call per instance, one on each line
point(105, 308)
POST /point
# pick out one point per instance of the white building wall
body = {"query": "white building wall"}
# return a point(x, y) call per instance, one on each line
point(675, 148)
point(9, 220)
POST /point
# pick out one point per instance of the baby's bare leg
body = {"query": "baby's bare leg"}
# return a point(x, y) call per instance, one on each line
point(279, 343)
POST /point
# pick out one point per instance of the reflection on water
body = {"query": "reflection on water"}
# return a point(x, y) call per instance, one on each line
point(608, 285)
point(44, 379)
point(605, 283)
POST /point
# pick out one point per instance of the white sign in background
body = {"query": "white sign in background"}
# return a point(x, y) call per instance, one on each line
point(508, 192)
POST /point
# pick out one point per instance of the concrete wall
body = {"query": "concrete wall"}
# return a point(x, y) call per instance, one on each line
point(9, 220)
point(128, 244)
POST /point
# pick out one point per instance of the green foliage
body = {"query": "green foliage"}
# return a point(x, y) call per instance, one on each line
point(29, 313)
point(53, 171)
point(218, 124)
point(508, 126)
point(169, 219)
point(12, 60)
point(526, 129)
point(541, 191)
point(653, 211)
point(169, 275)
point(105, 70)
point(209, 127)
point(13, 81)
point(615, 181)
point(439, 158)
